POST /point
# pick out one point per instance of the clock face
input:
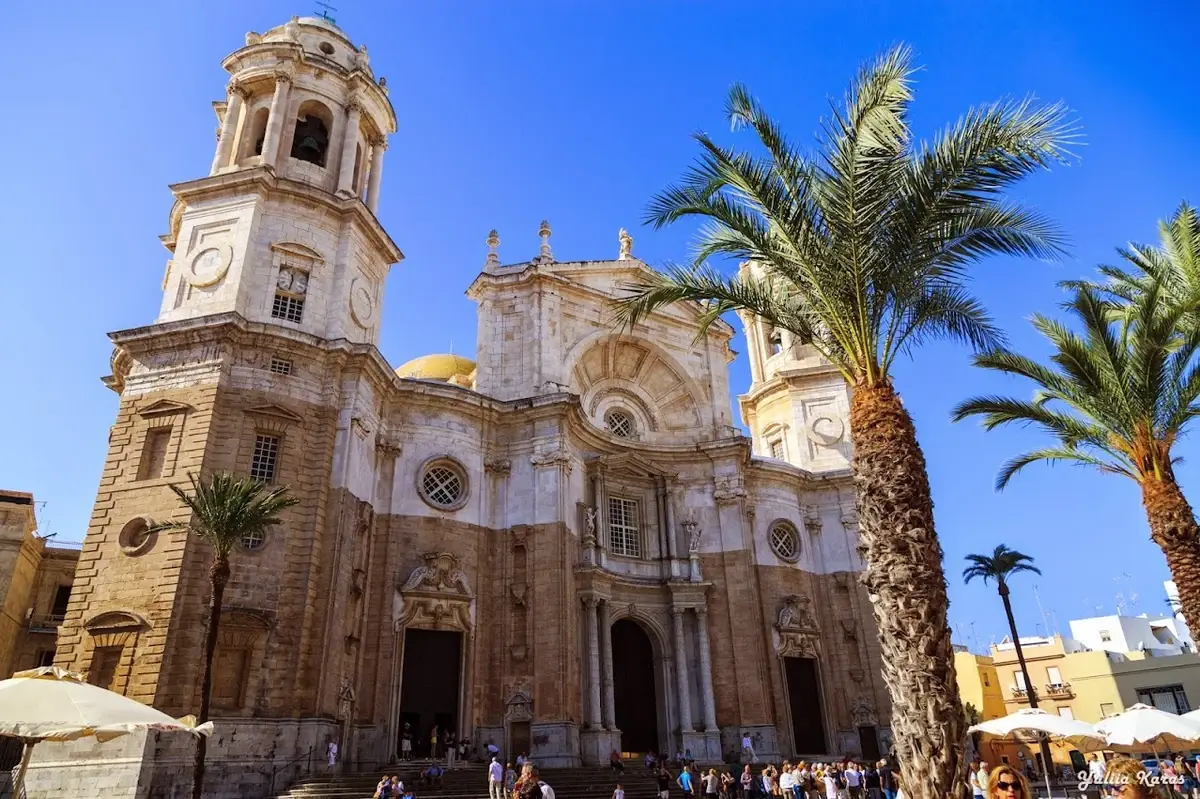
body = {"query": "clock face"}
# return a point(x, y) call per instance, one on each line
point(284, 281)
point(362, 304)
point(208, 266)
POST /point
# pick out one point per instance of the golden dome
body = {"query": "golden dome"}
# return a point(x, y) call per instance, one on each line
point(440, 366)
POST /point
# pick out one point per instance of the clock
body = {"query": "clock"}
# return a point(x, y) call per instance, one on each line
point(208, 266)
point(362, 302)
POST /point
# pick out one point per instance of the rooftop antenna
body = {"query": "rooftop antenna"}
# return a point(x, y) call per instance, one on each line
point(325, 9)
point(1042, 610)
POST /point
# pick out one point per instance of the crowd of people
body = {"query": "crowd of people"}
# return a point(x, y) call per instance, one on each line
point(799, 780)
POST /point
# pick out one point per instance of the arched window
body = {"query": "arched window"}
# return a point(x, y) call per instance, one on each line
point(310, 142)
point(358, 157)
point(256, 134)
point(775, 339)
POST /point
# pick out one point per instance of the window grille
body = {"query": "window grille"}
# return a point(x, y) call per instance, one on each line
point(265, 459)
point(624, 534)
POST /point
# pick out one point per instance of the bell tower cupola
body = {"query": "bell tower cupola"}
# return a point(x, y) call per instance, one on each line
point(798, 407)
point(283, 230)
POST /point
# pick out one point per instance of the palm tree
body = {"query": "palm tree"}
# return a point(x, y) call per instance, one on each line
point(1002, 564)
point(1173, 266)
point(862, 251)
point(1120, 394)
point(224, 511)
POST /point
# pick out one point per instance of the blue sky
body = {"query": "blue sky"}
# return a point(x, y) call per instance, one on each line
point(578, 111)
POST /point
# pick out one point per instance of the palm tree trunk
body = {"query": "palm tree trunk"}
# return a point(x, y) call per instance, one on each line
point(907, 585)
point(218, 578)
point(1030, 688)
point(1173, 527)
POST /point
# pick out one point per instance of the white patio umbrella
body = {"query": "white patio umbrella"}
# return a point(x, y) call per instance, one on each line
point(1148, 726)
point(1035, 720)
point(51, 704)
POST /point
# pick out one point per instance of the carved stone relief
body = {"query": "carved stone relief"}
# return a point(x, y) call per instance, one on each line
point(435, 596)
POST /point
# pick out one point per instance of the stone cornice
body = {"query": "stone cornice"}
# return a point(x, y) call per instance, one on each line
point(559, 274)
point(263, 180)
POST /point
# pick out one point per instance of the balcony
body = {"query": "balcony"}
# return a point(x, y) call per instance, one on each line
point(45, 624)
point(1018, 694)
point(1059, 690)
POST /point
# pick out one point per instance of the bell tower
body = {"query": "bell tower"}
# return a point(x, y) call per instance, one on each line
point(283, 230)
point(798, 405)
point(262, 362)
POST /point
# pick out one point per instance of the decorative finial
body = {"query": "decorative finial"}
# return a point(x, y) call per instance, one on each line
point(253, 38)
point(292, 29)
point(545, 256)
point(626, 245)
point(493, 241)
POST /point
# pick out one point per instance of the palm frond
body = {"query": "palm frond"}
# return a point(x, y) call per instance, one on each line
point(225, 509)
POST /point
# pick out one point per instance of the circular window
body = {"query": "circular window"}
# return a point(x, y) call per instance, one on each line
point(137, 536)
point(443, 484)
point(619, 423)
point(254, 540)
point(326, 48)
point(785, 542)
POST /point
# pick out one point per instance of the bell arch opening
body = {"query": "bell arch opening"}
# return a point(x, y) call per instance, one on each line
point(310, 142)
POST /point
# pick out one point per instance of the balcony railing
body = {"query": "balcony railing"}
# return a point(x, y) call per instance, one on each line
point(1059, 690)
point(45, 624)
point(1020, 694)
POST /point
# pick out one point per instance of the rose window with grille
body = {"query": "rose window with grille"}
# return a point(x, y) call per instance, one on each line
point(619, 423)
point(253, 540)
point(443, 485)
point(785, 542)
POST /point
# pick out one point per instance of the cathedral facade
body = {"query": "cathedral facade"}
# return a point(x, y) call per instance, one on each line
point(562, 546)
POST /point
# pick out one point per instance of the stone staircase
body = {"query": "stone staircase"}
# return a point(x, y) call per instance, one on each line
point(470, 782)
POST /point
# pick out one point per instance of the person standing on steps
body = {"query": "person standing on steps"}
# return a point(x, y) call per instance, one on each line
point(619, 793)
point(664, 783)
point(747, 783)
point(495, 780)
point(685, 782)
point(406, 743)
point(748, 747)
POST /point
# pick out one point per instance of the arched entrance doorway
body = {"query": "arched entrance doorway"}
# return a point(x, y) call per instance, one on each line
point(634, 702)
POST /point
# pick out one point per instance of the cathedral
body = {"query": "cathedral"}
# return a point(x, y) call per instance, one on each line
point(562, 546)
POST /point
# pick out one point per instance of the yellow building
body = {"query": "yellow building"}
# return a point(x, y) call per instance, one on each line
point(1072, 681)
point(35, 586)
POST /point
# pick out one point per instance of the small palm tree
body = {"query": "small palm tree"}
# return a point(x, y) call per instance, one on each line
point(224, 511)
point(1172, 267)
point(999, 566)
point(1120, 394)
point(862, 250)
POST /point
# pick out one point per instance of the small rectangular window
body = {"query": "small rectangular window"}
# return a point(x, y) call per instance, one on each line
point(777, 449)
point(229, 678)
point(1019, 677)
point(1106, 709)
point(103, 670)
point(1053, 675)
point(289, 309)
point(266, 456)
point(154, 453)
point(1066, 713)
point(1105, 636)
point(281, 366)
point(985, 679)
point(624, 534)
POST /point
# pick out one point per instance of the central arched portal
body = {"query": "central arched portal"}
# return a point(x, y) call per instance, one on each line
point(634, 701)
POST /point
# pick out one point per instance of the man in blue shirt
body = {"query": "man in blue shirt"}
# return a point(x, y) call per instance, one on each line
point(685, 782)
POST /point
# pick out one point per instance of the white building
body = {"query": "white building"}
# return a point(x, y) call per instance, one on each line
point(1156, 635)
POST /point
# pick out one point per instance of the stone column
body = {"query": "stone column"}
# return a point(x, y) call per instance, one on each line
point(706, 688)
point(671, 533)
point(229, 126)
point(601, 518)
point(681, 674)
point(376, 177)
point(349, 143)
point(606, 666)
point(592, 714)
point(276, 120)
